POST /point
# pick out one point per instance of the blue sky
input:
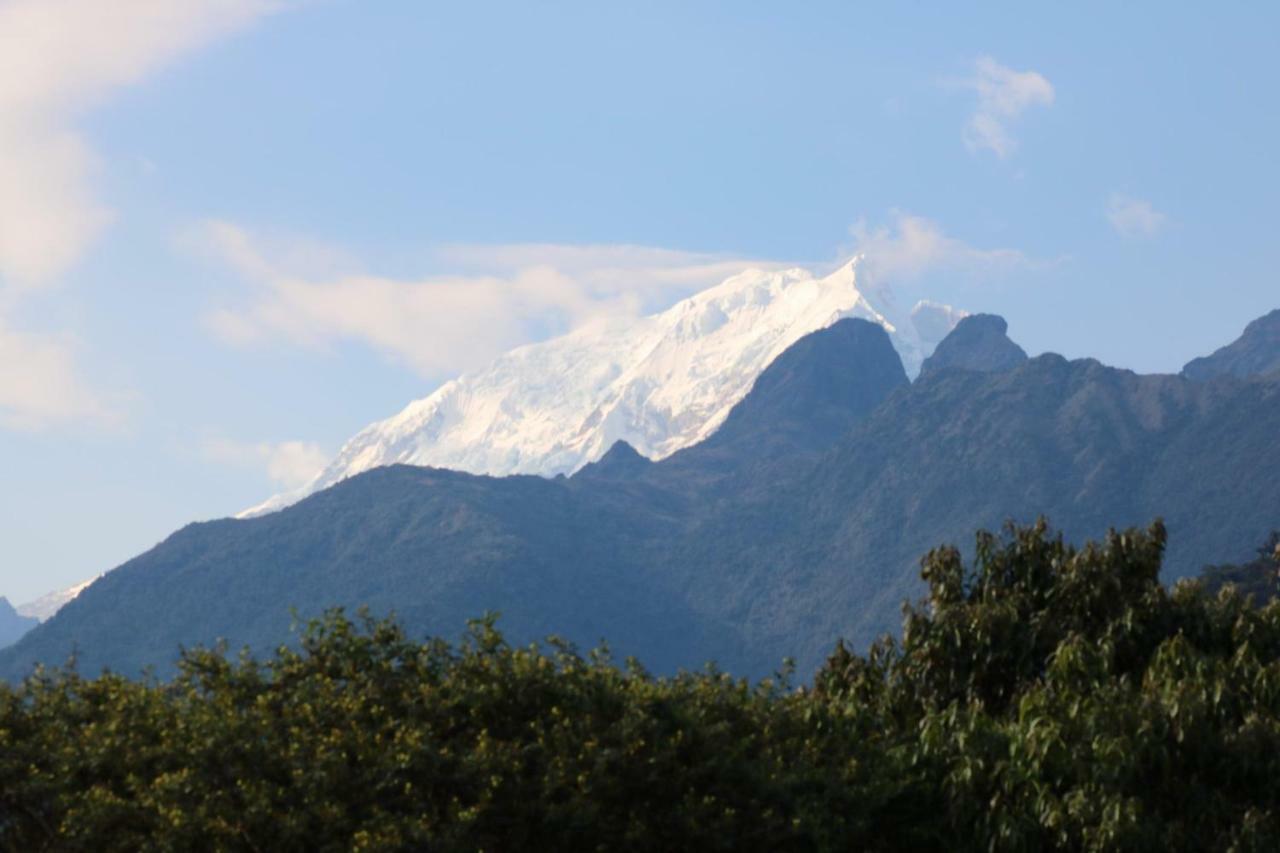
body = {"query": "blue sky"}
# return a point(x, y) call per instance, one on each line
point(233, 232)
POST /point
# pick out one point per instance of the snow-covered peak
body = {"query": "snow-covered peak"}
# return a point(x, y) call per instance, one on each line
point(47, 605)
point(660, 383)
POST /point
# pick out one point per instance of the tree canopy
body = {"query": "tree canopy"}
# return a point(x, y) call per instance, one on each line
point(1042, 697)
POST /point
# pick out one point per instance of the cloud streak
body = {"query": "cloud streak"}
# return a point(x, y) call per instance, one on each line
point(1003, 95)
point(914, 246)
point(494, 298)
point(289, 464)
point(498, 297)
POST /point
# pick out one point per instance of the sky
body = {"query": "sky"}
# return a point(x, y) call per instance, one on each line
point(234, 232)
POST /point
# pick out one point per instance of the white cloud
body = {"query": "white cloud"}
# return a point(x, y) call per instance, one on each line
point(289, 464)
point(295, 463)
point(40, 385)
point(59, 58)
point(915, 246)
point(497, 297)
point(1133, 217)
point(47, 214)
point(1003, 95)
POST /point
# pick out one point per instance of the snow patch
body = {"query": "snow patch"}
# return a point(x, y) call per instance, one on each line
point(46, 605)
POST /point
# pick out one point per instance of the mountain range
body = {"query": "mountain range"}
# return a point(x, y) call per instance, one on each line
point(800, 520)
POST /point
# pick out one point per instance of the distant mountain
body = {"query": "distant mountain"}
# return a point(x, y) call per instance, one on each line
point(803, 520)
point(1255, 353)
point(47, 605)
point(13, 625)
point(659, 383)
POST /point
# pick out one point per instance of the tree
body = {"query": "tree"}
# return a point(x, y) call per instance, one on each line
point(1043, 697)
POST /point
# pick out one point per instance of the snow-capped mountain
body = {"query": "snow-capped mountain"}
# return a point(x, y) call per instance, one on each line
point(661, 382)
point(47, 605)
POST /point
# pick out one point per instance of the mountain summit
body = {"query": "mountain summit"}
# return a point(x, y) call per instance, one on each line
point(659, 383)
point(1255, 353)
point(979, 342)
point(812, 394)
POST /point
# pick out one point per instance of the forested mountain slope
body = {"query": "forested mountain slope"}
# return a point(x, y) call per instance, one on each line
point(803, 522)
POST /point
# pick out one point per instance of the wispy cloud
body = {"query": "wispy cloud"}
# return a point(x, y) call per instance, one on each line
point(59, 59)
point(913, 246)
point(289, 464)
point(1133, 217)
point(1003, 95)
point(40, 384)
point(493, 298)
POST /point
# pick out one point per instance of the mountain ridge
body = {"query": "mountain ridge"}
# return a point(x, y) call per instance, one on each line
point(978, 342)
point(740, 556)
point(1256, 352)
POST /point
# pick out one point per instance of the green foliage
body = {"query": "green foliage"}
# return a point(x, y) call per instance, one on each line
point(1063, 699)
point(1045, 697)
point(362, 739)
point(1259, 578)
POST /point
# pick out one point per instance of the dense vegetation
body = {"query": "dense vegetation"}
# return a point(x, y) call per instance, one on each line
point(1044, 697)
point(1258, 578)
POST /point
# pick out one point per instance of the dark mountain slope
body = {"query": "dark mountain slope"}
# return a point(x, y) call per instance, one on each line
point(800, 405)
point(436, 547)
point(811, 394)
point(621, 462)
point(583, 557)
point(978, 342)
point(1090, 446)
point(1255, 353)
point(772, 540)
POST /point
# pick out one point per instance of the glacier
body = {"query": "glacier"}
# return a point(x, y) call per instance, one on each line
point(660, 382)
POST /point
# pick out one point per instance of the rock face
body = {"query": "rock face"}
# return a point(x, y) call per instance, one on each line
point(1254, 353)
point(620, 462)
point(660, 383)
point(813, 393)
point(785, 534)
point(979, 342)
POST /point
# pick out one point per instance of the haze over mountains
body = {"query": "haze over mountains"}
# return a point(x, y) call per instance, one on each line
point(799, 521)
